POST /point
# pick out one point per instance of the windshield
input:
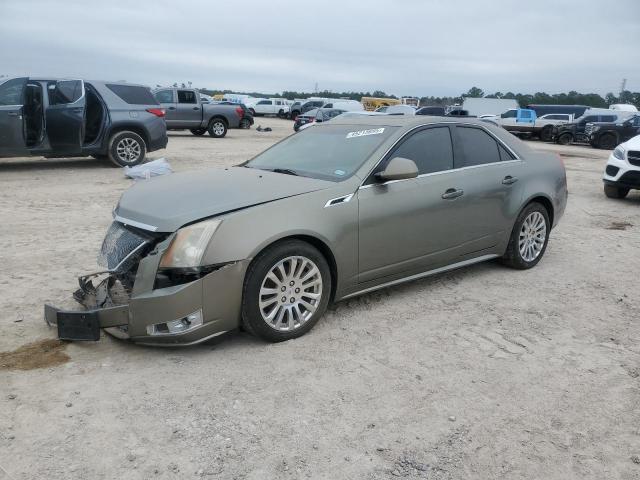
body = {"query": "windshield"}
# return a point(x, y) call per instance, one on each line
point(329, 152)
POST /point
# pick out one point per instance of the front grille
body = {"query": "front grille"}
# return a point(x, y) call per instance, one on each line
point(612, 170)
point(634, 157)
point(121, 248)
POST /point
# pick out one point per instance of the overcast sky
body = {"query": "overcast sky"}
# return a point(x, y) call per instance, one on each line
point(404, 47)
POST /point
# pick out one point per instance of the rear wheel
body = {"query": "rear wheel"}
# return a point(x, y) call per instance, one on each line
point(245, 123)
point(198, 131)
point(286, 291)
point(565, 139)
point(612, 191)
point(546, 133)
point(217, 128)
point(294, 115)
point(608, 141)
point(529, 237)
point(127, 149)
point(253, 112)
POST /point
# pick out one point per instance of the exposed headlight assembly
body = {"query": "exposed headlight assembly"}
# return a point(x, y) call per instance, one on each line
point(189, 244)
point(619, 153)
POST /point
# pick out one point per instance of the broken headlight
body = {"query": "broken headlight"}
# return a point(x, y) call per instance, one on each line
point(189, 244)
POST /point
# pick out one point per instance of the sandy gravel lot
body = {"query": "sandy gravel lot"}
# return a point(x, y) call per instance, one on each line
point(481, 373)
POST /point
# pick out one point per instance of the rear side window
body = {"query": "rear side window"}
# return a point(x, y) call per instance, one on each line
point(505, 156)
point(164, 96)
point(64, 91)
point(11, 92)
point(187, 96)
point(608, 118)
point(478, 147)
point(133, 94)
point(430, 149)
point(509, 114)
point(264, 102)
point(591, 118)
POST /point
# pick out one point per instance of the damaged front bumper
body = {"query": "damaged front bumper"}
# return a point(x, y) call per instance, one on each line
point(183, 314)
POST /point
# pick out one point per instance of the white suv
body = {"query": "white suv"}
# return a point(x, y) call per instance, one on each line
point(623, 169)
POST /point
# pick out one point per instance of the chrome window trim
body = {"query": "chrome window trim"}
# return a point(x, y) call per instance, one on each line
point(133, 223)
point(448, 123)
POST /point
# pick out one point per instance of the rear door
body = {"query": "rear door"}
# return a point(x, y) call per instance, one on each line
point(166, 99)
point(264, 107)
point(491, 184)
point(65, 116)
point(12, 142)
point(189, 110)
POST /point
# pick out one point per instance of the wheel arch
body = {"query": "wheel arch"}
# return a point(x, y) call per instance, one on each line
point(545, 201)
point(127, 127)
point(316, 242)
point(219, 117)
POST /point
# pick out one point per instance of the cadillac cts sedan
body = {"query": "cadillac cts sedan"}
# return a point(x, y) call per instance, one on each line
point(347, 207)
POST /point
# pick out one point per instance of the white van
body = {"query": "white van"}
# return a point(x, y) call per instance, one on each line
point(346, 105)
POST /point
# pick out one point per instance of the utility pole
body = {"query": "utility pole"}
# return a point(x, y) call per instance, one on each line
point(316, 88)
point(623, 86)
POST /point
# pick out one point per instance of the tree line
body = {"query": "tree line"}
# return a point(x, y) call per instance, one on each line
point(570, 98)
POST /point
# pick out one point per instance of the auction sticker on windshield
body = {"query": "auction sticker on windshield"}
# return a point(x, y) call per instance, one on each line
point(362, 133)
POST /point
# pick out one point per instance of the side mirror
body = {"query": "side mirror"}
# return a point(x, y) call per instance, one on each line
point(398, 169)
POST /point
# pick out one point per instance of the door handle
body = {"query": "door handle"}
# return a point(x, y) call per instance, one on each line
point(452, 193)
point(509, 180)
point(196, 108)
point(12, 114)
point(171, 108)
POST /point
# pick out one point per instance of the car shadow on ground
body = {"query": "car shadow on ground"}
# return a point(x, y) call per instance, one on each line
point(42, 164)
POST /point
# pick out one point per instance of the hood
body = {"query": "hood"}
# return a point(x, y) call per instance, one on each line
point(166, 203)
point(632, 144)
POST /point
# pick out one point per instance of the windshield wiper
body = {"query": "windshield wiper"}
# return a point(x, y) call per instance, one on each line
point(286, 171)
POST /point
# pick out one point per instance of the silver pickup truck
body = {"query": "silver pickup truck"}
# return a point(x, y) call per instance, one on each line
point(185, 110)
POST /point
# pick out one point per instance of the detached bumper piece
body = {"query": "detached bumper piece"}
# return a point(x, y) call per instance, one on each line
point(85, 325)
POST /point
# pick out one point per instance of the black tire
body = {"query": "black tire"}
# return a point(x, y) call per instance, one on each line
point(607, 141)
point(281, 114)
point(217, 128)
point(126, 149)
point(513, 257)
point(253, 112)
point(294, 115)
point(252, 319)
point(546, 133)
point(198, 132)
point(612, 191)
point(565, 139)
point(245, 123)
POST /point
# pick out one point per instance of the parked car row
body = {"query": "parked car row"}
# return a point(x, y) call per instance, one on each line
point(76, 118)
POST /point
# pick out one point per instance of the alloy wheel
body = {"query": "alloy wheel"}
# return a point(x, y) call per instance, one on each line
point(218, 128)
point(290, 293)
point(128, 150)
point(533, 234)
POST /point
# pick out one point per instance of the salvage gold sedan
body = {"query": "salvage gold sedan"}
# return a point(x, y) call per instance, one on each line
point(338, 210)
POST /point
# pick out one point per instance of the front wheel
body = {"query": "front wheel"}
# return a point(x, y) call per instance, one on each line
point(565, 139)
point(286, 291)
point(198, 131)
point(217, 128)
point(615, 192)
point(607, 141)
point(546, 133)
point(127, 149)
point(529, 238)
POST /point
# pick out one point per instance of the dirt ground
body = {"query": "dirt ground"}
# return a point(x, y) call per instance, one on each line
point(481, 373)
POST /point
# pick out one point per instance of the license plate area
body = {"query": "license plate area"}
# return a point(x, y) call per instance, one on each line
point(78, 326)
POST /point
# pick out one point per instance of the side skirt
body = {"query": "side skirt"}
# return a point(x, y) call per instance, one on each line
point(428, 273)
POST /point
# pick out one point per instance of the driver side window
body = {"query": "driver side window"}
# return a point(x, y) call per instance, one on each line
point(11, 92)
point(431, 150)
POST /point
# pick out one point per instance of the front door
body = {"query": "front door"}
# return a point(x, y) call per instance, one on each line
point(65, 116)
point(189, 110)
point(407, 225)
point(12, 140)
point(166, 99)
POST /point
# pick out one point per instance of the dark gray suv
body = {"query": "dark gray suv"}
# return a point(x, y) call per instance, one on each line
point(73, 118)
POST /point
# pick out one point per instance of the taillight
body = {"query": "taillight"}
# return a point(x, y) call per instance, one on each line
point(240, 112)
point(158, 112)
